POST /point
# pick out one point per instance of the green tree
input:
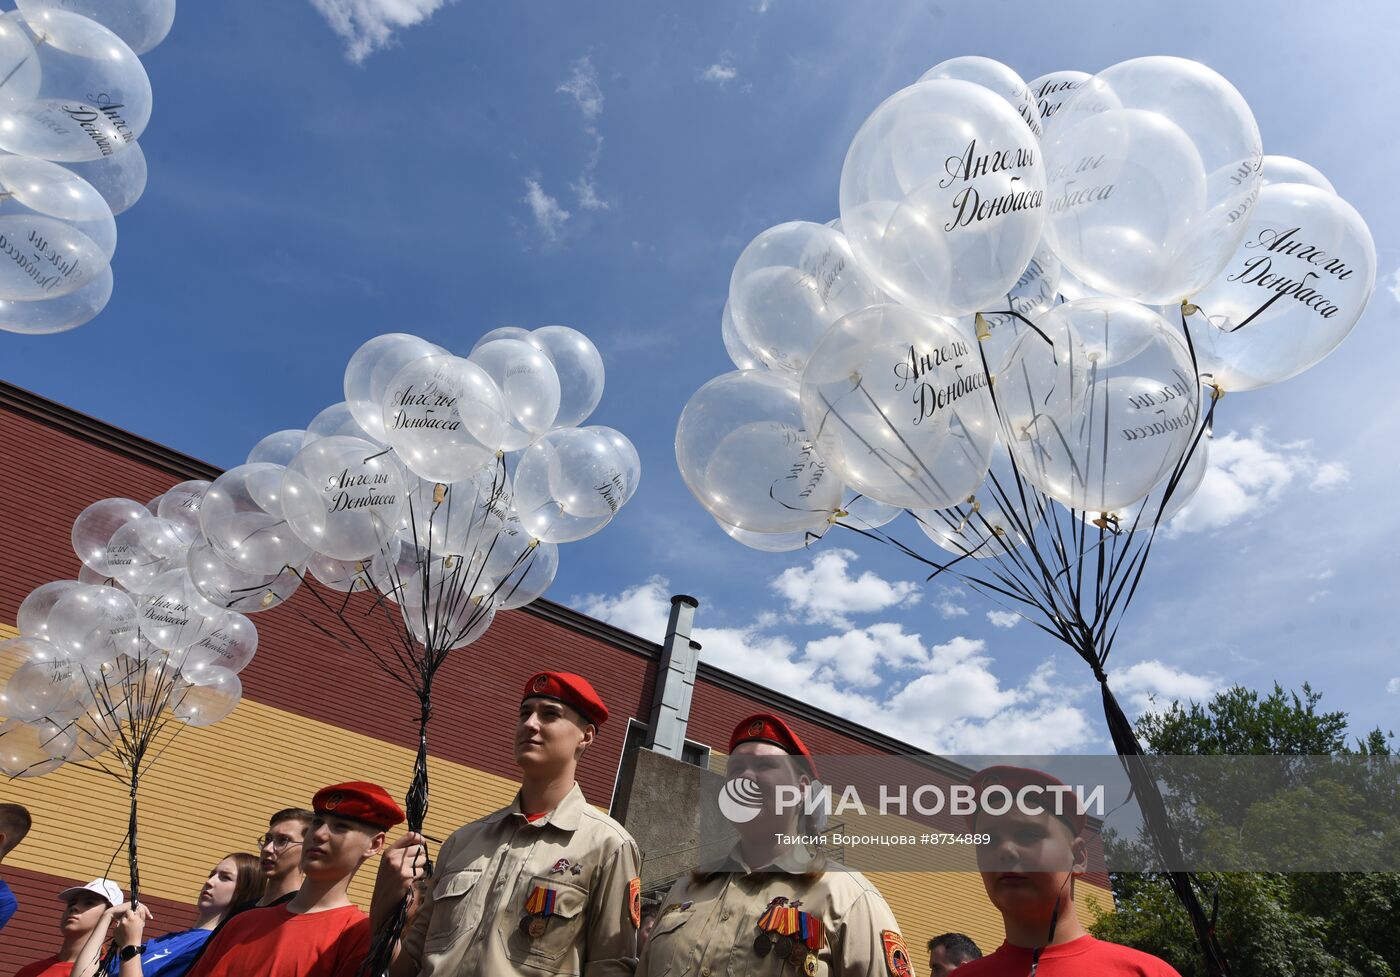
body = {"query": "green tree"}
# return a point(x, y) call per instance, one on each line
point(1339, 924)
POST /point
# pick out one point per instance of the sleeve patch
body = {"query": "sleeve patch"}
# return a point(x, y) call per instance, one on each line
point(634, 901)
point(896, 954)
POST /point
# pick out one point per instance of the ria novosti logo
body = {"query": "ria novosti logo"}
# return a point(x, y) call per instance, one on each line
point(740, 800)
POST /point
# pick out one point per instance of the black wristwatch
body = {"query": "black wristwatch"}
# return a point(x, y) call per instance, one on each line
point(127, 952)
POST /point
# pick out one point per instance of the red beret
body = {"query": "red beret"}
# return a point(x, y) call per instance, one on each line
point(359, 801)
point(764, 727)
point(570, 689)
point(1014, 778)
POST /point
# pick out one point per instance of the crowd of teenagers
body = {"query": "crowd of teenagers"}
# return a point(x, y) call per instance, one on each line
point(550, 886)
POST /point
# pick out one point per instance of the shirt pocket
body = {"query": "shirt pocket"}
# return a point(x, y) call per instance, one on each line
point(557, 949)
point(673, 948)
point(456, 909)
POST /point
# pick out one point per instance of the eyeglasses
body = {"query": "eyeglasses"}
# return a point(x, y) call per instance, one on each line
point(277, 844)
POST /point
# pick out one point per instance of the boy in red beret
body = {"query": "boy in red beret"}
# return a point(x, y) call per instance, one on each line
point(1028, 869)
point(320, 932)
point(548, 885)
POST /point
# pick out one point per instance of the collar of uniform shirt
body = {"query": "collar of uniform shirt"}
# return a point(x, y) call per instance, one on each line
point(565, 817)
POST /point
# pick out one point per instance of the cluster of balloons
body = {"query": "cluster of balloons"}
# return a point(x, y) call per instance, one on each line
point(1038, 274)
point(435, 469)
point(74, 100)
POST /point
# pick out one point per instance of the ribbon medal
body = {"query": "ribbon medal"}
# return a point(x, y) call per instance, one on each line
point(539, 906)
point(795, 935)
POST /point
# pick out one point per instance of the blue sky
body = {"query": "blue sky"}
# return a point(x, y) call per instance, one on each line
point(323, 171)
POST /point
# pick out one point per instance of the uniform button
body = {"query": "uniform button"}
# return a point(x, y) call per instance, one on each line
point(724, 915)
point(705, 972)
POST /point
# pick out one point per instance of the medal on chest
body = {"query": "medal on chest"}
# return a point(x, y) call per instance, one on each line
point(539, 906)
point(786, 930)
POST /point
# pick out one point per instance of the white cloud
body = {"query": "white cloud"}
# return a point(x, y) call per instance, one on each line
point(1247, 475)
point(721, 74)
point(826, 592)
point(367, 25)
point(1154, 685)
point(1330, 475)
point(1392, 284)
point(549, 216)
point(1393, 686)
point(944, 698)
point(582, 86)
point(947, 604)
point(1004, 619)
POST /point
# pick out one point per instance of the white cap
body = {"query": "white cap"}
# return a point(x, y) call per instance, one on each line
point(105, 888)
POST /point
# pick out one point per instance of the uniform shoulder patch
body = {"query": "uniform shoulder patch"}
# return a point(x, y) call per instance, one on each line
point(634, 901)
point(896, 954)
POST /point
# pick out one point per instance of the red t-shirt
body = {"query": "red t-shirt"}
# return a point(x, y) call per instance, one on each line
point(1084, 957)
point(274, 942)
point(46, 968)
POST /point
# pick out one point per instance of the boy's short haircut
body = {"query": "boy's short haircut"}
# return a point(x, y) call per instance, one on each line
point(15, 823)
point(957, 948)
point(291, 814)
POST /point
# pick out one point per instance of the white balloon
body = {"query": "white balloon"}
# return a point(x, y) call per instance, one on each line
point(94, 624)
point(33, 750)
point(1285, 169)
point(140, 23)
point(93, 529)
point(278, 448)
point(343, 496)
point(120, 178)
point(180, 505)
point(1052, 90)
point(47, 316)
point(241, 516)
point(529, 387)
point(231, 588)
point(369, 371)
point(336, 420)
point(445, 417)
point(173, 614)
point(142, 550)
point(502, 332)
point(993, 75)
point(580, 368)
point(740, 355)
point(94, 97)
point(32, 618)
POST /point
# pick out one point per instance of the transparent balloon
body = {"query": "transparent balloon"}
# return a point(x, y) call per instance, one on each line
point(142, 24)
point(241, 516)
point(119, 178)
point(94, 97)
point(445, 417)
point(1290, 294)
point(529, 386)
point(1285, 169)
point(746, 456)
point(1157, 508)
point(336, 420)
point(571, 482)
point(344, 496)
point(460, 518)
point(231, 588)
point(900, 401)
point(214, 698)
point(787, 288)
point(33, 750)
point(993, 75)
point(798, 539)
point(449, 614)
point(740, 355)
point(32, 618)
point(173, 614)
point(580, 368)
point(1052, 90)
point(231, 644)
point(54, 315)
point(1100, 412)
point(530, 579)
point(346, 576)
point(1153, 169)
point(55, 690)
point(988, 524)
point(389, 571)
point(1034, 293)
point(180, 506)
point(21, 78)
point(502, 332)
point(143, 549)
point(95, 525)
point(942, 196)
point(94, 623)
point(370, 370)
point(278, 448)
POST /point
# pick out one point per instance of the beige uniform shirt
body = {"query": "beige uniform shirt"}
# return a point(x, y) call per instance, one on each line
point(708, 925)
point(470, 922)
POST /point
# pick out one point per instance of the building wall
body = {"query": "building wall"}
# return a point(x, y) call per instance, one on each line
point(314, 713)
